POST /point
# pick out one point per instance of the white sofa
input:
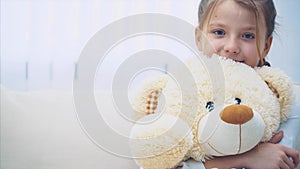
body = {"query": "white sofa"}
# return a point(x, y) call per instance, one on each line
point(40, 130)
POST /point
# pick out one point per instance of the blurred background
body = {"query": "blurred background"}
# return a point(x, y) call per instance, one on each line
point(42, 40)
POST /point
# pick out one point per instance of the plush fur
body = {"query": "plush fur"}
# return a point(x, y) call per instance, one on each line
point(178, 122)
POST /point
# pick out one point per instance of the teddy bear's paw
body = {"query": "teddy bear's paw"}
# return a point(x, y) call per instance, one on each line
point(148, 97)
point(160, 141)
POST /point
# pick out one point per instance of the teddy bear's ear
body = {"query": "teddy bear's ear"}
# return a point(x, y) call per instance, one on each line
point(281, 85)
point(145, 99)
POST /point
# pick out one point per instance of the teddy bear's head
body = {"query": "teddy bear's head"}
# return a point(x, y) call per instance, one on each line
point(256, 101)
point(197, 124)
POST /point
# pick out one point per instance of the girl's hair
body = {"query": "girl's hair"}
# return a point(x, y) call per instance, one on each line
point(267, 8)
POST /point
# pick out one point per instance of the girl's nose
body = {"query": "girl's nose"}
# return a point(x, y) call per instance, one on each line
point(231, 47)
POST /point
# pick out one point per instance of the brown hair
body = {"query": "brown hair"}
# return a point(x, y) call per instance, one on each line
point(267, 7)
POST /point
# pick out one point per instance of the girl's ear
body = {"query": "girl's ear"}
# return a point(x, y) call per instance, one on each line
point(267, 46)
point(198, 37)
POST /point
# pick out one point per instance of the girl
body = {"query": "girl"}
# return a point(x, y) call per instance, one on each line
point(242, 30)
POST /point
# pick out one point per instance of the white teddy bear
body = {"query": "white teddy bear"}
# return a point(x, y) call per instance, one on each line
point(201, 119)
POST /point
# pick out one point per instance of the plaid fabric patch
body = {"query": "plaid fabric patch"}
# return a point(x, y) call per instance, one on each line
point(152, 102)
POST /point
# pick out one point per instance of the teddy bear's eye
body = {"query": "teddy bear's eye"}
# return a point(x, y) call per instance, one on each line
point(237, 100)
point(210, 106)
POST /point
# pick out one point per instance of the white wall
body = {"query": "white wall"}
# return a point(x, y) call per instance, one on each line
point(42, 40)
point(285, 50)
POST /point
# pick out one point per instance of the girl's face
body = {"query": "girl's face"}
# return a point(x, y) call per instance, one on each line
point(231, 32)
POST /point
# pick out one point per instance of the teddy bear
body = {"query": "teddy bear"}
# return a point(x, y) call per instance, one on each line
point(196, 113)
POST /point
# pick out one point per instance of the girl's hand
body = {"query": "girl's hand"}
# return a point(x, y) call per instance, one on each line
point(271, 156)
point(277, 137)
point(266, 155)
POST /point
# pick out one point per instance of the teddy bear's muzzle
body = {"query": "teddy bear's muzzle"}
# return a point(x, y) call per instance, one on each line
point(236, 114)
point(236, 129)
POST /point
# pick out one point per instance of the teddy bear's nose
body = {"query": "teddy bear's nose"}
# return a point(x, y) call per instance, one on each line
point(236, 114)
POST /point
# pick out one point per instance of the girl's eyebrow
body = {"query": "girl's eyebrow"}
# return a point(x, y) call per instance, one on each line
point(249, 27)
point(246, 27)
point(216, 24)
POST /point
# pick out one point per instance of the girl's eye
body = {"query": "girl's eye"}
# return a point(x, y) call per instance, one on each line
point(219, 32)
point(249, 36)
